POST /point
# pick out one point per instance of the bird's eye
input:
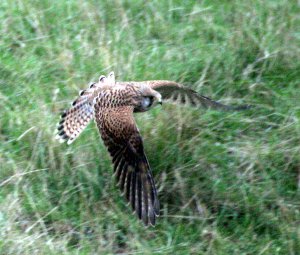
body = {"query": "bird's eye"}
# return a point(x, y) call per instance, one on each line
point(150, 98)
point(147, 101)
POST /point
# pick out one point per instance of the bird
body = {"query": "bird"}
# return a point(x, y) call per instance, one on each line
point(112, 105)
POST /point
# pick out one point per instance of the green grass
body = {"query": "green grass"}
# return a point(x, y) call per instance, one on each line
point(229, 183)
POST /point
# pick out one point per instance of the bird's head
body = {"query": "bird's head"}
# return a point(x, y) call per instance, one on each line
point(148, 98)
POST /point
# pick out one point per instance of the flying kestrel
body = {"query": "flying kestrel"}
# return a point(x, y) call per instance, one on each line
point(112, 105)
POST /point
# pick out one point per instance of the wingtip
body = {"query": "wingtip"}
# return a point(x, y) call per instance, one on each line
point(151, 224)
point(156, 207)
point(152, 220)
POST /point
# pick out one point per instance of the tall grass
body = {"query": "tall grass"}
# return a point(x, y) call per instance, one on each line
point(228, 182)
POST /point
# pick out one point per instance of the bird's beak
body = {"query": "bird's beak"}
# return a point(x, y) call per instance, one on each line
point(158, 98)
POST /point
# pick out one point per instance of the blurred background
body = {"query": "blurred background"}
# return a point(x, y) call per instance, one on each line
point(229, 183)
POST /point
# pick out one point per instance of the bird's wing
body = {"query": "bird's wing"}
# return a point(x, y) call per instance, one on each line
point(178, 93)
point(124, 143)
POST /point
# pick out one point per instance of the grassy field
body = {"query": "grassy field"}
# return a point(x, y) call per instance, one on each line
point(229, 183)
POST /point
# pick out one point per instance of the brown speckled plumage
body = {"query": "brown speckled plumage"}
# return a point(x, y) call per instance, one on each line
point(112, 104)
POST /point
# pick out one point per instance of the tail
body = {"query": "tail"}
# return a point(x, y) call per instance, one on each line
point(74, 121)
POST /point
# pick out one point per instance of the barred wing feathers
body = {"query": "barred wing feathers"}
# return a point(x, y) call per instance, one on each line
point(131, 168)
point(178, 93)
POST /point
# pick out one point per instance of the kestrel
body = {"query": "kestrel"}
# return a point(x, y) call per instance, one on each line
point(112, 105)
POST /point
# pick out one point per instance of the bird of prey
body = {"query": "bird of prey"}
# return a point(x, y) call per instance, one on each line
point(112, 104)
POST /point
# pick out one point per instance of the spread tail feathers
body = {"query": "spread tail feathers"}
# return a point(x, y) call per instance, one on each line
point(74, 120)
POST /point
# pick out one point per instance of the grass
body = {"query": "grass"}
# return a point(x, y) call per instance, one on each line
point(229, 183)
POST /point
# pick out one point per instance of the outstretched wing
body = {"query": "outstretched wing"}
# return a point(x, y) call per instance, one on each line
point(124, 143)
point(176, 92)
